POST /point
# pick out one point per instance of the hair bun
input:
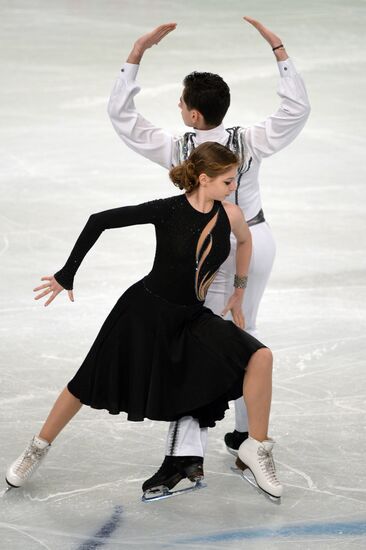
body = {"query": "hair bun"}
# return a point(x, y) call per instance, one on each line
point(210, 158)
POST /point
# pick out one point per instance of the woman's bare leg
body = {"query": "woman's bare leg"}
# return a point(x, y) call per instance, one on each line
point(65, 407)
point(257, 392)
point(22, 469)
point(256, 451)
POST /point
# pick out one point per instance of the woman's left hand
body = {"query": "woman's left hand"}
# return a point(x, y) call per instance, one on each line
point(235, 305)
point(51, 287)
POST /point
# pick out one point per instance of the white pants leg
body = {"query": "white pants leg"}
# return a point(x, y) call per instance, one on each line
point(187, 436)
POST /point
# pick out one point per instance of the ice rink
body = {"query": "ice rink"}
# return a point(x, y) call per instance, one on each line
point(62, 161)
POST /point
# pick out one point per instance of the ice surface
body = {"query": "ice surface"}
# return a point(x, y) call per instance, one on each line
point(61, 161)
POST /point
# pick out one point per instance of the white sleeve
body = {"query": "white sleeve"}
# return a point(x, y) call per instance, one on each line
point(281, 128)
point(135, 131)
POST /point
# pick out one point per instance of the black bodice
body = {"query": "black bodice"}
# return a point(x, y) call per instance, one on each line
point(190, 246)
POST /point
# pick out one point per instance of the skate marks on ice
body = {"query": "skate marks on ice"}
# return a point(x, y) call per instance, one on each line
point(163, 492)
point(105, 532)
point(101, 537)
point(3, 492)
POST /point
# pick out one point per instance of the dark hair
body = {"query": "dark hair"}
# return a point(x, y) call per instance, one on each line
point(209, 158)
point(209, 94)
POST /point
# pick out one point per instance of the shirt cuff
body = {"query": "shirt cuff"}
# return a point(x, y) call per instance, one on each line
point(129, 71)
point(286, 68)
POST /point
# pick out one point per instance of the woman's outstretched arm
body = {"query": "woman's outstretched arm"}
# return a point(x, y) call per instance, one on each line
point(117, 217)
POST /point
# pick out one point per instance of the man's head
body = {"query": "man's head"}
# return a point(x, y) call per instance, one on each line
point(205, 100)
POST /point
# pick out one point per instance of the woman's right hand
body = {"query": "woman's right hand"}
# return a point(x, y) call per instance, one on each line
point(51, 287)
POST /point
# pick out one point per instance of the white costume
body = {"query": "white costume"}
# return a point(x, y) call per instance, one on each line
point(256, 142)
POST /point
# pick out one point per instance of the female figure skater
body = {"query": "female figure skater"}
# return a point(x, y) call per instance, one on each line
point(204, 102)
point(192, 361)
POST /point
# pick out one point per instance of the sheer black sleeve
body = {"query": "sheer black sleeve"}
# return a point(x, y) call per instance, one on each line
point(148, 212)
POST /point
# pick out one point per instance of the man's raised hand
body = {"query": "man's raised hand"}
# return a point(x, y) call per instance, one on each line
point(148, 40)
point(272, 38)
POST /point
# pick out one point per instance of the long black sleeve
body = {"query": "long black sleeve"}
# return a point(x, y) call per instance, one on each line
point(148, 212)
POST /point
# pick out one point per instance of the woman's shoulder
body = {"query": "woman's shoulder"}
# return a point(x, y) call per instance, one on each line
point(165, 202)
point(233, 211)
point(175, 199)
point(231, 208)
point(164, 208)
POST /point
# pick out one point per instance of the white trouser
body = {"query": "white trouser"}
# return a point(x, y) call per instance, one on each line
point(185, 437)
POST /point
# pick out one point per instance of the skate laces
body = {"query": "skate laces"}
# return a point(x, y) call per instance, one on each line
point(267, 465)
point(29, 460)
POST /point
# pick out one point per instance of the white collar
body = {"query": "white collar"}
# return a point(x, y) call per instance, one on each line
point(215, 134)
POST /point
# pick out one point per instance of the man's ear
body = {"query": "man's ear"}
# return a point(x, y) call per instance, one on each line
point(196, 116)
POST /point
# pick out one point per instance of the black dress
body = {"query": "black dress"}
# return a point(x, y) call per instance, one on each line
point(161, 354)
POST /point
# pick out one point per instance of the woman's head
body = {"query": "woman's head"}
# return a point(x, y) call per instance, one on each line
point(210, 166)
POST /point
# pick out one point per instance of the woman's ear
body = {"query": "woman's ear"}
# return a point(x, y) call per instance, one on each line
point(203, 179)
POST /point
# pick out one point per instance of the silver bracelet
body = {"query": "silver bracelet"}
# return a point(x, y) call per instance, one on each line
point(240, 282)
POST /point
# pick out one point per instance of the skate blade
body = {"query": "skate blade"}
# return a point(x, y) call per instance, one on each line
point(163, 493)
point(233, 452)
point(11, 486)
point(249, 478)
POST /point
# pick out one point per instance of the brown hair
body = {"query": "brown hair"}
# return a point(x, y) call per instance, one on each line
point(209, 158)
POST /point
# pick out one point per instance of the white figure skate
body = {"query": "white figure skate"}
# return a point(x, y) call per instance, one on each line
point(255, 464)
point(27, 463)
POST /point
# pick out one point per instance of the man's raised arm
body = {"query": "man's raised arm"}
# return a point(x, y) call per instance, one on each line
point(135, 131)
point(281, 128)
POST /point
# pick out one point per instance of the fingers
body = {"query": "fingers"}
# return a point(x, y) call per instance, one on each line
point(165, 26)
point(51, 298)
point(257, 25)
point(252, 21)
point(71, 295)
point(163, 32)
point(43, 293)
point(268, 35)
point(239, 321)
point(46, 285)
point(51, 287)
point(238, 317)
point(168, 27)
point(154, 37)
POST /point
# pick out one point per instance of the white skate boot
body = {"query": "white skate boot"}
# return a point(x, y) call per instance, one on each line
point(257, 457)
point(27, 463)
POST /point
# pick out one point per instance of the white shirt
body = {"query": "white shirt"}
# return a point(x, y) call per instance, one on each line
point(262, 139)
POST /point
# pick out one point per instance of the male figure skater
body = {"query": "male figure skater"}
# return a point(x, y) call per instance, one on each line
point(204, 103)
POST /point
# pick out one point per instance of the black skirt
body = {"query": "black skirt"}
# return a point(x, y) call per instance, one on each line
point(158, 360)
